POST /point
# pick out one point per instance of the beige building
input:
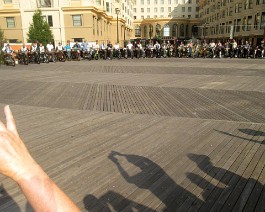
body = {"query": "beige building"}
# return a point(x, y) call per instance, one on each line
point(239, 19)
point(74, 20)
point(10, 20)
point(97, 20)
point(166, 19)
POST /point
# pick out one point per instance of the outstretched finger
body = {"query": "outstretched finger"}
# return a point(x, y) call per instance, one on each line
point(2, 127)
point(10, 121)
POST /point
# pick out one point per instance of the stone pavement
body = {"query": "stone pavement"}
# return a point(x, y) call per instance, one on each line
point(144, 135)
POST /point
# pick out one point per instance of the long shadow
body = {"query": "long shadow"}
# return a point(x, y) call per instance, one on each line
point(227, 191)
point(247, 132)
point(5, 198)
point(113, 200)
point(153, 178)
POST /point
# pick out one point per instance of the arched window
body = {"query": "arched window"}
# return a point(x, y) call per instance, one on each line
point(145, 31)
point(137, 31)
point(195, 30)
point(175, 30)
point(166, 31)
point(158, 29)
point(150, 31)
point(181, 30)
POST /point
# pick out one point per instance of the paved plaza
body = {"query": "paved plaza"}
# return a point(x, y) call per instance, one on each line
point(143, 134)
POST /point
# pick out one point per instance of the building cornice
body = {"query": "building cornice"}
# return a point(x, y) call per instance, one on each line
point(5, 11)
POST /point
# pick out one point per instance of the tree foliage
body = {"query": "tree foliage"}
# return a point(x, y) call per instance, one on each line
point(1, 36)
point(39, 29)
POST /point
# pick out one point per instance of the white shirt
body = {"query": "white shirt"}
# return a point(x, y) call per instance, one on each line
point(7, 49)
point(49, 47)
point(33, 48)
point(129, 46)
point(96, 46)
point(103, 46)
point(42, 49)
point(24, 49)
point(60, 48)
point(116, 46)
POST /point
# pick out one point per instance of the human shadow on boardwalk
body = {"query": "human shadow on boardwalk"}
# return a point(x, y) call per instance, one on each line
point(254, 133)
point(113, 200)
point(153, 178)
point(5, 198)
point(224, 190)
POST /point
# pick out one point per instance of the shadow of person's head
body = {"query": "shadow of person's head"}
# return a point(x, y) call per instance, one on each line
point(252, 132)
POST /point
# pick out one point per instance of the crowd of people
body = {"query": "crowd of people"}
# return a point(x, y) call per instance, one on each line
point(38, 53)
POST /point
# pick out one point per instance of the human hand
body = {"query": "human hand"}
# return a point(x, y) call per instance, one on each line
point(15, 160)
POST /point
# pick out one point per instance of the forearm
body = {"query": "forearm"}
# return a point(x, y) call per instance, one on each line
point(43, 194)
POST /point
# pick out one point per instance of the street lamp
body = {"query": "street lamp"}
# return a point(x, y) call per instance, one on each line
point(117, 10)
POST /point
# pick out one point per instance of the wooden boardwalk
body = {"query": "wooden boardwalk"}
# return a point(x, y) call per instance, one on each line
point(143, 135)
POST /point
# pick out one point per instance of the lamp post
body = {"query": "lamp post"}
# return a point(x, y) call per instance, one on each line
point(117, 10)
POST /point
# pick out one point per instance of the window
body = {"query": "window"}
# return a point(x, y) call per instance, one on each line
point(142, 2)
point(155, 16)
point(107, 7)
point(78, 39)
point(134, 10)
point(257, 21)
point(44, 3)
point(176, 1)
point(155, 10)
point(169, 1)
point(161, 1)
point(155, 2)
point(238, 25)
point(189, 9)
point(262, 23)
point(10, 22)
point(142, 17)
point(189, 16)
point(142, 10)
point(148, 16)
point(175, 30)
point(148, 10)
point(183, 9)
point(48, 19)
point(189, 1)
point(166, 31)
point(77, 20)
point(137, 31)
point(145, 31)
point(169, 9)
point(148, 1)
point(182, 30)
point(175, 9)
point(183, 1)
point(8, 1)
point(162, 9)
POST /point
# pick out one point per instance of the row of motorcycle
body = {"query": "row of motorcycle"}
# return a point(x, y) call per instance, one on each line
point(109, 53)
point(241, 51)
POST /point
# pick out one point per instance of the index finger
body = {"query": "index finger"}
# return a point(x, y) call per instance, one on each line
point(10, 121)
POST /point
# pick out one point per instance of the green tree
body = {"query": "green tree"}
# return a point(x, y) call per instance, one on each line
point(2, 37)
point(1, 44)
point(39, 30)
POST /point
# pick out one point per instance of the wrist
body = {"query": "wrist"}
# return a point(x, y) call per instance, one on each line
point(28, 173)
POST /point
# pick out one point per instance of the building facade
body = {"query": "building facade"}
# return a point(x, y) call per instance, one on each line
point(238, 19)
point(166, 19)
point(10, 20)
point(74, 20)
point(119, 20)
